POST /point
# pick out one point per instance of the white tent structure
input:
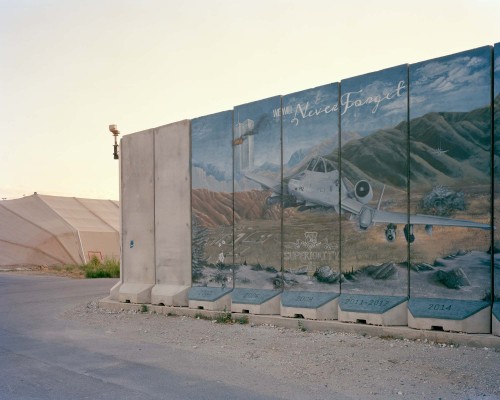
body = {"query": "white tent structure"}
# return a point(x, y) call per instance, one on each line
point(51, 230)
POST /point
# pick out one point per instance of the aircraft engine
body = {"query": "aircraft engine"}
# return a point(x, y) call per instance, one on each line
point(365, 218)
point(363, 192)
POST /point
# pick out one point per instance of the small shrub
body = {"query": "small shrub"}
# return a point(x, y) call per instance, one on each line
point(109, 268)
point(144, 308)
point(223, 318)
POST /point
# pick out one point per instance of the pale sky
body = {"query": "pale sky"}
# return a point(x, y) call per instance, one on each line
point(70, 68)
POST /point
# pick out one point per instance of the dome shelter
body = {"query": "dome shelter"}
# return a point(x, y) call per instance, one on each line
point(53, 230)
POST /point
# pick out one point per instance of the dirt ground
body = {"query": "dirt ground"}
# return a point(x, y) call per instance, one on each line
point(67, 272)
point(360, 367)
point(324, 363)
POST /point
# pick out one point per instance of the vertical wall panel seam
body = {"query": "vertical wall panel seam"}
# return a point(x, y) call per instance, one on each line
point(191, 201)
point(232, 200)
point(282, 233)
point(408, 186)
point(339, 152)
point(121, 198)
point(492, 182)
point(154, 203)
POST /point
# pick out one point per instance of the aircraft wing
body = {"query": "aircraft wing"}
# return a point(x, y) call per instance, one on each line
point(351, 205)
point(442, 221)
point(267, 183)
point(418, 219)
point(391, 217)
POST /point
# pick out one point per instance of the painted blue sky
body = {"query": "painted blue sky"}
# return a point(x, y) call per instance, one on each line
point(211, 138)
point(455, 83)
point(304, 133)
point(267, 137)
point(373, 101)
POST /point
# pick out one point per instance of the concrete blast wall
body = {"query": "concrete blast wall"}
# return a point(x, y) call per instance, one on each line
point(369, 200)
point(156, 227)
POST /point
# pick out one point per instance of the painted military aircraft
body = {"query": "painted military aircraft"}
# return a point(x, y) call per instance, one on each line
point(320, 185)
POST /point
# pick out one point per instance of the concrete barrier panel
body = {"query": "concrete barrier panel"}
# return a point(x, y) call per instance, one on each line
point(172, 214)
point(255, 301)
point(374, 165)
point(311, 221)
point(373, 309)
point(309, 305)
point(450, 185)
point(210, 298)
point(257, 204)
point(450, 315)
point(137, 202)
point(212, 201)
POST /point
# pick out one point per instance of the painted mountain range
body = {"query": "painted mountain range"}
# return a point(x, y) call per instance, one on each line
point(444, 147)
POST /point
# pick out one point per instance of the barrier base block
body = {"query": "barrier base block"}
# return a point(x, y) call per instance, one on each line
point(496, 318)
point(210, 298)
point(170, 295)
point(114, 292)
point(309, 305)
point(373, 309)
point(135, 293)
point(468, 316)
point(255, 301)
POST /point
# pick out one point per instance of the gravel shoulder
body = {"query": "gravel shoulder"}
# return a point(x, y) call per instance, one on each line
point(325, 364)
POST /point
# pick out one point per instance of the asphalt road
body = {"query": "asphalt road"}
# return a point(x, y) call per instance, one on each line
point(46, 356)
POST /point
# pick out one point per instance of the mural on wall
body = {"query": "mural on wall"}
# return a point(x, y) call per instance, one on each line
point(212, 200)
point(257, 194)
point(450, 132)
point(496, 109)
point(373, 115)
point(354, 231)
point(310, 197)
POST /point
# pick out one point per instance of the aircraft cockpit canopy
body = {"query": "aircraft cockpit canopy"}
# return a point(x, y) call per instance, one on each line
point(319, 164)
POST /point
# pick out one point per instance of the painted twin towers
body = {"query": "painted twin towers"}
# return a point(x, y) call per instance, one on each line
point(375, 189)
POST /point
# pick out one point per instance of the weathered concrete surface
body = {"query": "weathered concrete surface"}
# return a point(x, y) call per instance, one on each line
point(396, 316)
point(172, 214)
point(137, 202)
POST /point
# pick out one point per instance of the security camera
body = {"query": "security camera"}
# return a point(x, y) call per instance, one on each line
point(114, 130)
